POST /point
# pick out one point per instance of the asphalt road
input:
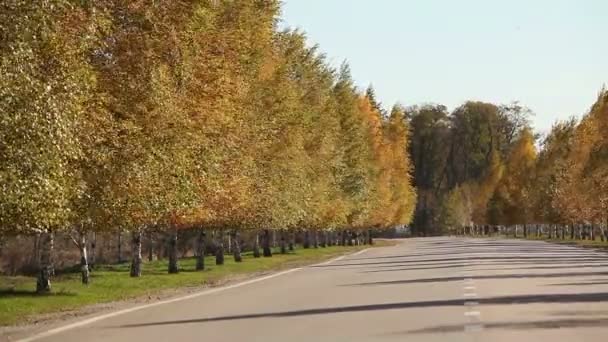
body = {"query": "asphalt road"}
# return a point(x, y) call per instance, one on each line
point(428, 289)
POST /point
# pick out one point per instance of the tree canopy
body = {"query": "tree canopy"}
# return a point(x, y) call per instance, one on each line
point(127, 115)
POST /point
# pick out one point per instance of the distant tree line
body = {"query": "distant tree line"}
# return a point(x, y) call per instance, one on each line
point(482, 169)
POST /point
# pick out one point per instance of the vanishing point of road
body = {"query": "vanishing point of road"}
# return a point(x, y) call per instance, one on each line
point(426, 289)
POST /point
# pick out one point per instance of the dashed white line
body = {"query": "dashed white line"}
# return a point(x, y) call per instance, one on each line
point(474, 316)
point(472, 313)
point(473, 327)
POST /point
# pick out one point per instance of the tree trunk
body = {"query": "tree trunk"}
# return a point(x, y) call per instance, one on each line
point(306, 243)
point(343, 238)
point(36, 252)
point(543, 231)
point(200, 250)
point(136, 250)
point(119, 247)
point(43, 284)
point(525, 231)
point(584, 232)
point(283, 243)
point(370, 239)
point(80, 240)
point(236, 247)
point(161, 249)
point(150, 246)
point(173, 265)
point(556, 234)
point(219, 250)
point(292, 241)
point(592, 232)
point(256, 246)
point(315, 239)
point(349, 237)
point(266, 243)
point(572, 231)
point(93, 253)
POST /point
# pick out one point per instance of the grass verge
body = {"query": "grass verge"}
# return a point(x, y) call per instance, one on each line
point(19, 304)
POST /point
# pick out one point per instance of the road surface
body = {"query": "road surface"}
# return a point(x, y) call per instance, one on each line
point(427, 289)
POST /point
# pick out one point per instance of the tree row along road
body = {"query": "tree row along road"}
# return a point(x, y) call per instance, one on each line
point(427, 289)
point(156, 117)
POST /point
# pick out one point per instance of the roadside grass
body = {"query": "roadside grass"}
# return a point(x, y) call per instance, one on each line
point(20, 304)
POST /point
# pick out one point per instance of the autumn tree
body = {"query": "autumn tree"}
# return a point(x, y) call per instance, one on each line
point(45, 87)
point(155, 117)
point(513, 196)
point(551, 167)
point(456, 211)
point(403, 199)
point(580, 188)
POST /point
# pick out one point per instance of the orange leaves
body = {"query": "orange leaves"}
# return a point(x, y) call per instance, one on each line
point(582, 187)
point(517, 184)
point(185, 113)
point(393, 196)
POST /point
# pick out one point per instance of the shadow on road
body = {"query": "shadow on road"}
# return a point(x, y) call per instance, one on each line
point(482, 277)
point(474, 259)
point(506, 300)
point(489, 269)
point(588, 283)
point(528, 325)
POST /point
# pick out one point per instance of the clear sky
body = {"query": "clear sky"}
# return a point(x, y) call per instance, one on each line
point(551, 55)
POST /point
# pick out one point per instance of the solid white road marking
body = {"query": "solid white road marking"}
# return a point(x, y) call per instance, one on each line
point(146, 306)
point(340, 258)
point(168, 301)
point(472, 313)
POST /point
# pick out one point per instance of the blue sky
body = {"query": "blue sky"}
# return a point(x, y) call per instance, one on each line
point(551, 55)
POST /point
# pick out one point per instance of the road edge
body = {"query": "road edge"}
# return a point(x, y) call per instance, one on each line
point(97, 318)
